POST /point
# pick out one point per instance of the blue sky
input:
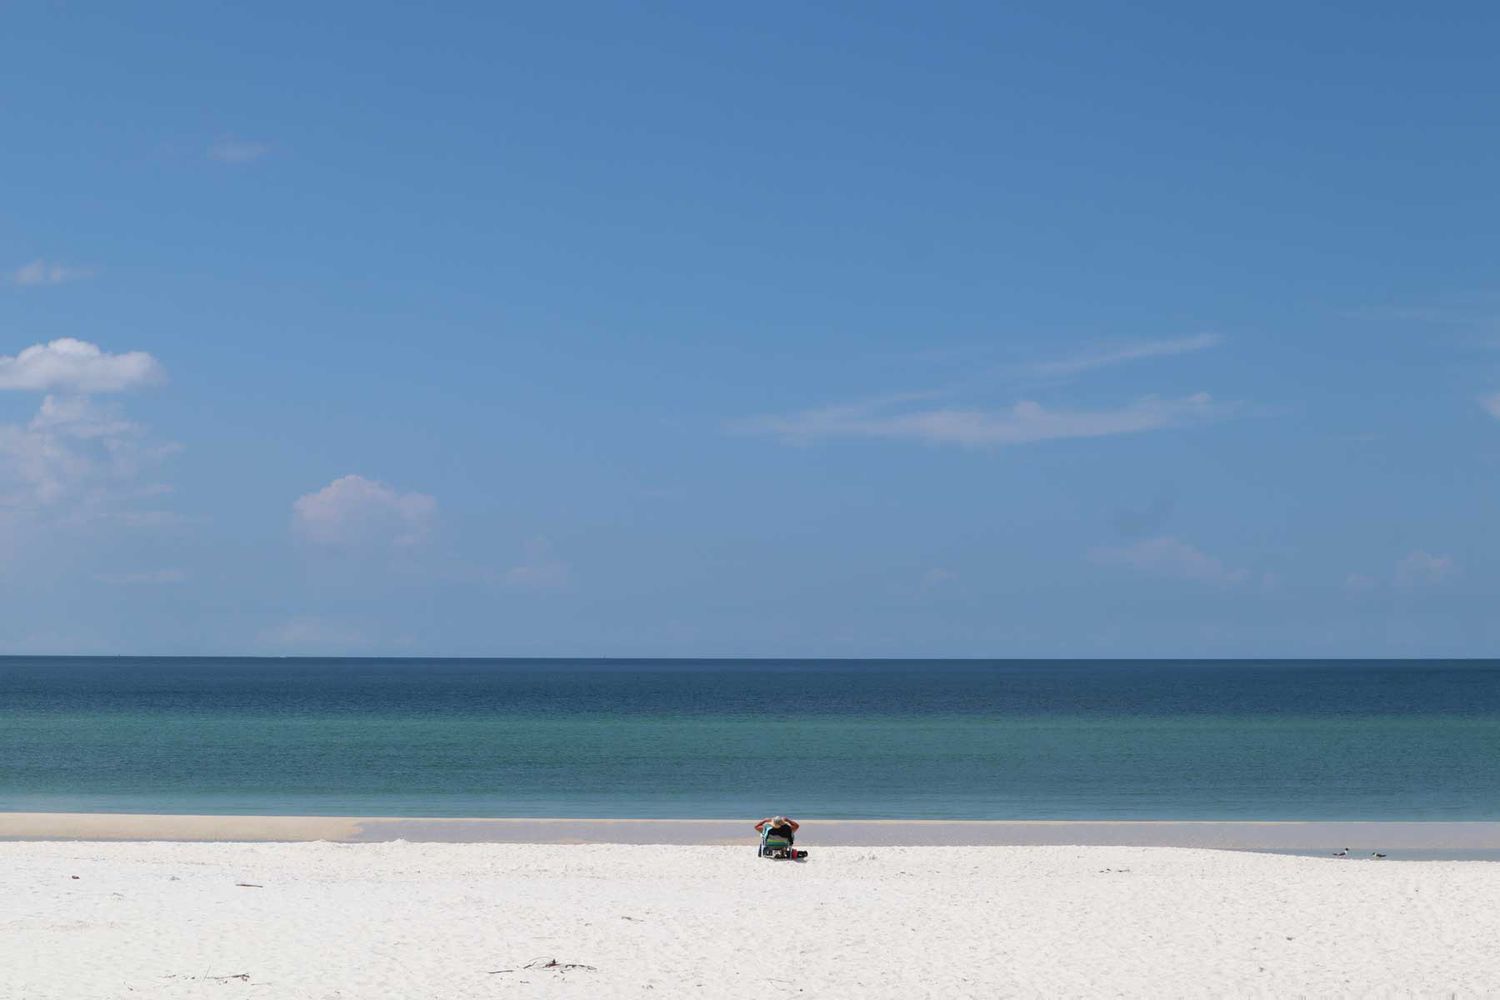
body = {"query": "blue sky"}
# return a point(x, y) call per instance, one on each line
point(844, 330)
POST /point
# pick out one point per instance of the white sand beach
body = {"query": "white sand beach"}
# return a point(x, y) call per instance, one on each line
point(445, 920)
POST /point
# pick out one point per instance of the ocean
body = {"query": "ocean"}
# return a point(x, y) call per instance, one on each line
point(1287, 740)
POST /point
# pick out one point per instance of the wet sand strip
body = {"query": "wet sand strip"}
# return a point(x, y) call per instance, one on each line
point(1427, 839)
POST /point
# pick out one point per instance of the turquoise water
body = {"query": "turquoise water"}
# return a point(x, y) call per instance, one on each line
point(956, 740)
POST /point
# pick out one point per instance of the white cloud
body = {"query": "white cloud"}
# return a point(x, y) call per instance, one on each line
point(44, 272)
point(1422, 569)
point(1171, 558)
point(542, 570)
point(1023, 423)
point(1491, 405)
point(314, 634)
point(77, 459)
point(232, 150)
point(936, 577)
point(80, 417)
point(1414, 570)
point(353, 510)
point(76, 366)
point(1140, 350)
point(72, 449)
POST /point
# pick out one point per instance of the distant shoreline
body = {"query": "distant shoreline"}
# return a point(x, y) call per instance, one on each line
point(1429, 839)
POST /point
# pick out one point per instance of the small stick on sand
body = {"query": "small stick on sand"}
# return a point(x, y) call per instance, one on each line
point(548, 963)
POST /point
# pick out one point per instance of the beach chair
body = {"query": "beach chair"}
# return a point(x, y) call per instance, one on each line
point(773, 846)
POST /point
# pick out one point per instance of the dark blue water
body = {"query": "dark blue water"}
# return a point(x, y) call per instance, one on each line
point(934, 739)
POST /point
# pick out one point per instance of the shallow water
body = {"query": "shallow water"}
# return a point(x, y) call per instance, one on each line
point(840, 739)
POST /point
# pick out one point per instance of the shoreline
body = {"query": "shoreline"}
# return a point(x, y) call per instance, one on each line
point(1429, 838)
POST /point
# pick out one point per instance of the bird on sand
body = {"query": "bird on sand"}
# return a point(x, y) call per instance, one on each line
point(1341, 854)
point(1376, 854)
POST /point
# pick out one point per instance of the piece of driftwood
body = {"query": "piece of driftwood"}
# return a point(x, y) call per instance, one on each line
point(249, 885)
point(547, 963)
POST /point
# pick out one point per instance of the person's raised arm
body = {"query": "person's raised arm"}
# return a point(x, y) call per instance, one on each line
point(793, 824)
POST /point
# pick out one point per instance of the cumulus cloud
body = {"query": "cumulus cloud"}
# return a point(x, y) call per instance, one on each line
point(353, 510)
point(542, 570)
point(75, 449)
point(1170, 558)
point(80, 417)
point(72, 449)
point(44, 272)
point(1023, 423)
point(1122, 353)
point(1423, 569)
point(76, 366)
point(233, 150)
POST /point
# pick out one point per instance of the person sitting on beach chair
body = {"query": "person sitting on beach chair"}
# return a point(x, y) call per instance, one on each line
point(777, 834)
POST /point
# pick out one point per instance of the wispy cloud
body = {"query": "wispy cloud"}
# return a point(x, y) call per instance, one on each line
point(1171, 558)
point(45, 272)
point(1423, 569)
point(153, 577)
point(1491, 405)
point(936, 577)
point(1025, 422)
point(234, 150)
point(353, 510)
point(1474, 309)
point(316, 634)
point(1118, 354)
point(1413, 571)
point(542, 570)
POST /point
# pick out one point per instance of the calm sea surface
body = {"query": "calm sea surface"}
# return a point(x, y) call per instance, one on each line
point(939, 739)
